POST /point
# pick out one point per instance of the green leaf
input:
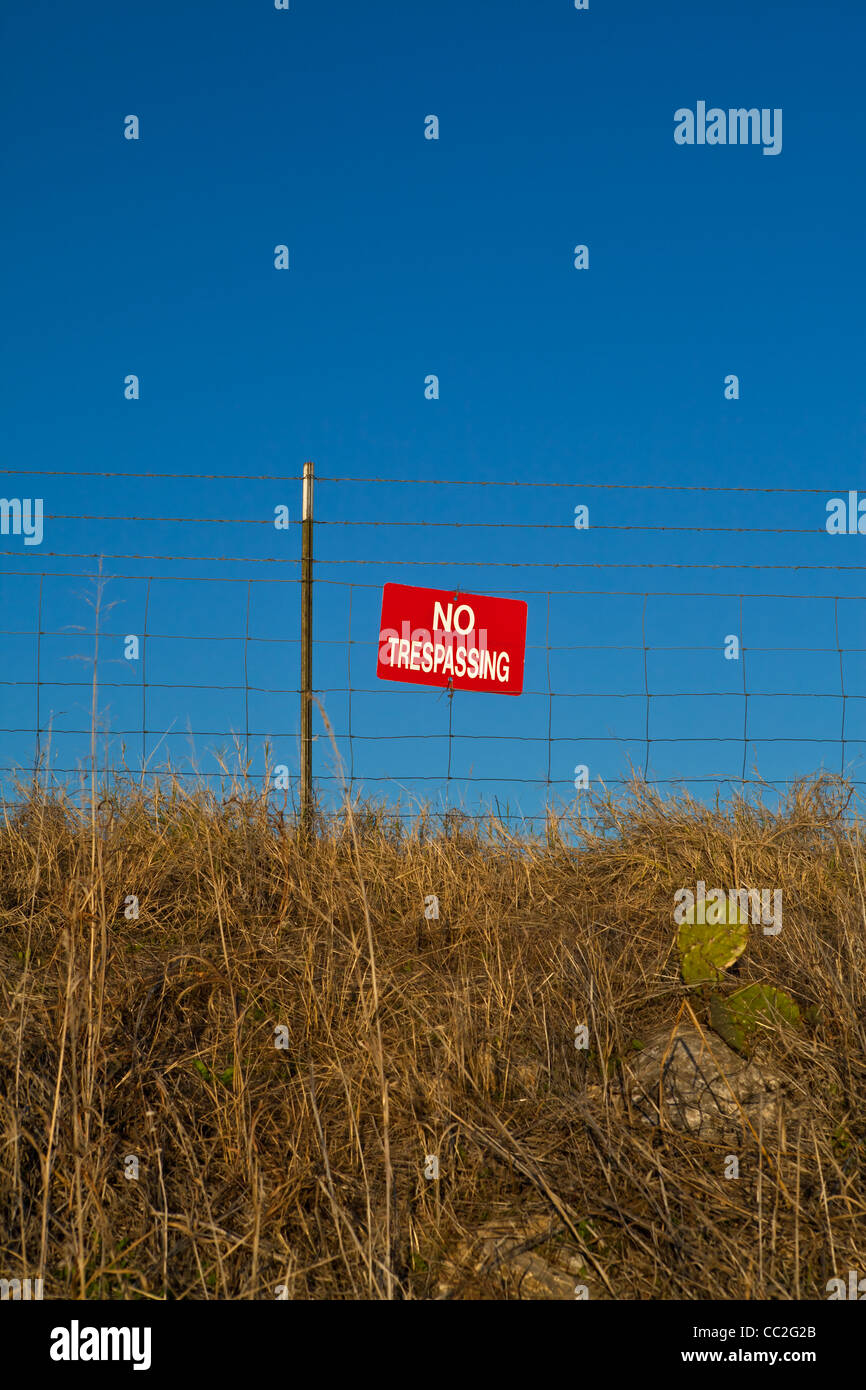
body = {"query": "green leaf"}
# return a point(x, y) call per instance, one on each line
point(738, 1018)
point(707, 949)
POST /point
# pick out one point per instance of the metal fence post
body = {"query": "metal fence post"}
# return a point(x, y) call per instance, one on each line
point(307, 651)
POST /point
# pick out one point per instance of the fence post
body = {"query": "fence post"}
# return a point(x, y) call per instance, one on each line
point(307, 651)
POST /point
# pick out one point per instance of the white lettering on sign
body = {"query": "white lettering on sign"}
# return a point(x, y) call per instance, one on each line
point(460, 654)
point(441, 623)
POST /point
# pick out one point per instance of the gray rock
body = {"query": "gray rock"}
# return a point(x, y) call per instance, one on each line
point(693, 1082)
point(509, 1248)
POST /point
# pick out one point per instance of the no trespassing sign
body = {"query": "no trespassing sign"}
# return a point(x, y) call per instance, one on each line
point(441, 638)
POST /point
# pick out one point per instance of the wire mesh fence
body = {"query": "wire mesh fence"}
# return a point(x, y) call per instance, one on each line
point(190, 656)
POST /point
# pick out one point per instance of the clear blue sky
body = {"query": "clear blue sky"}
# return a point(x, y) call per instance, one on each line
point(408, 257)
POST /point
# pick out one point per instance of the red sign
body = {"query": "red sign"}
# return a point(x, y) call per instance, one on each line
point(442, 638)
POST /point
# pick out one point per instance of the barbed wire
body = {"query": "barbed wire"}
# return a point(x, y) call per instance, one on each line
point(613, 487)
point(386, 690)
point(125, 555)
point(120, 773)
point(423, 482)
point(359, 584)
point(159, 477)
point(77, 633)
point(447, 525)
point(193, 520)
point(415, 736)
point(441, 564)
point(577, 565)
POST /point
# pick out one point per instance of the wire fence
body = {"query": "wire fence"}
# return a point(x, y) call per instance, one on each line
point(699, 688)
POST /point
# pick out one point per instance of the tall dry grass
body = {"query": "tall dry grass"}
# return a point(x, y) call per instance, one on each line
point(303, 1167)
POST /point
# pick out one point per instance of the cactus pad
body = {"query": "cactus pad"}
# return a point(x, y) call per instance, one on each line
point(707, 949)
point(737, 1018)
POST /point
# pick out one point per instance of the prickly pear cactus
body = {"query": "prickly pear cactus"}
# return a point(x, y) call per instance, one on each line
point(709, 948)
point(738, 1018)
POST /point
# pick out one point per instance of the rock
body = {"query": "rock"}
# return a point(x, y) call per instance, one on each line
point(509, 1248)
point(703, 1087)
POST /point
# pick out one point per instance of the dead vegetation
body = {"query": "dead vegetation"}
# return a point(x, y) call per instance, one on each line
point(303, 1169)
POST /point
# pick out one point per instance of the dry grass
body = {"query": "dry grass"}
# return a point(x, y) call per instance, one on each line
point(303, 1166)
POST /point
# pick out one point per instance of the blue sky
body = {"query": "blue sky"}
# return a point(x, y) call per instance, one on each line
point(455, 257)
